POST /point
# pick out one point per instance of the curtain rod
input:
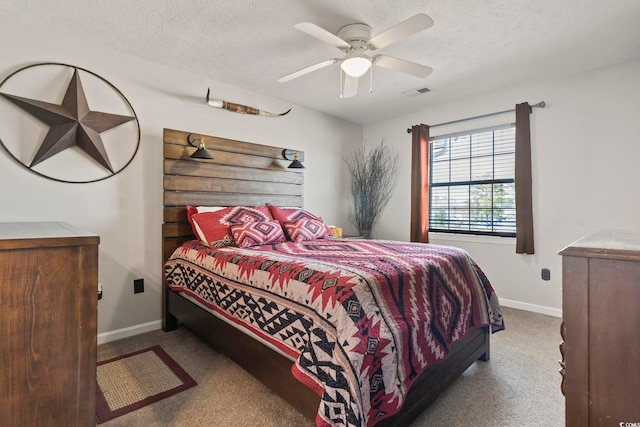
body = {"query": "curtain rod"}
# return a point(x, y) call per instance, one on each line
point(540, 104)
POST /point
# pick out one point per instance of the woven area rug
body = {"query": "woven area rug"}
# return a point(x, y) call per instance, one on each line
point(129, 382)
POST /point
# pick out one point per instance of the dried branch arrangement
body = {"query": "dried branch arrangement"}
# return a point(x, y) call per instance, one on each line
point(374, 172)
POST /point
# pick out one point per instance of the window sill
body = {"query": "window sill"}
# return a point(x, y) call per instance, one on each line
point(471, 238)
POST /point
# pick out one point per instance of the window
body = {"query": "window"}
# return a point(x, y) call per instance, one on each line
point(471, 182)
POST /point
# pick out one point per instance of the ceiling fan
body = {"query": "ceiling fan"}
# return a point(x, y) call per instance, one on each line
point(355, 40)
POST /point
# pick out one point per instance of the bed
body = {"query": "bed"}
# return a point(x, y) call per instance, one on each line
point(246, 174)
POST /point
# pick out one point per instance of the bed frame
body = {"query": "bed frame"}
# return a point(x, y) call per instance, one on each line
point(247, 174)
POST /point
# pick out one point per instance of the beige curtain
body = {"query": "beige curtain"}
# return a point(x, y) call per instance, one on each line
point(524, 205)
point(420, 183)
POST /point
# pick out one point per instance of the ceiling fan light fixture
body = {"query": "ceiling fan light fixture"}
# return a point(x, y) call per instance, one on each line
point(356, 65)
point(355, 40)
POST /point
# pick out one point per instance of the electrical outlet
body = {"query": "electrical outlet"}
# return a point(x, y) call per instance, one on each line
point(138, 286)
point(546, 274)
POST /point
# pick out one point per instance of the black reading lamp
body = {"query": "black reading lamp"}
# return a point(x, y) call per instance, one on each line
point(294, 156)
point(201, 152)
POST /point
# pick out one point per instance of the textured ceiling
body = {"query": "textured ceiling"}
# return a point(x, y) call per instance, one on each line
point(474, 46)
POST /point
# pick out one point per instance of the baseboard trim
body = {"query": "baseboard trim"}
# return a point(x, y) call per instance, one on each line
point(550, 311)
point(119, 334)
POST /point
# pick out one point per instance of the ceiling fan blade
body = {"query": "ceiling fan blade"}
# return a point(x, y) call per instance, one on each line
point(349, 86)
point(406, 28)
point(322, 34)
point(306, 70)
point(402, 65)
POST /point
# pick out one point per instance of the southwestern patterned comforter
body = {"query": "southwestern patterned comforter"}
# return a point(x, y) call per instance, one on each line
point(361, 318)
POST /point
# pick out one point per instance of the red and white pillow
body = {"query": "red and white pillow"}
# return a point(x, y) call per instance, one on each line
point(192, 210)
point(305, 229)
point(257, 233)
point(291, 215)
point(229, 226)
point(213, 227)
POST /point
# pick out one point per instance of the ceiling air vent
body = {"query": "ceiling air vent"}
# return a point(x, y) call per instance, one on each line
point(416, 92)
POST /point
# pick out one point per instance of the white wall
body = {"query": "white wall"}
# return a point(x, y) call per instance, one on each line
point(126, 210)
point(585, 154)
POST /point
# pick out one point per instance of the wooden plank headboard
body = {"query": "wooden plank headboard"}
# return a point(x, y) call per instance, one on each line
point(240, 174)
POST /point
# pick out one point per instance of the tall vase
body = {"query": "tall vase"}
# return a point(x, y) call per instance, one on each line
point(365, 233)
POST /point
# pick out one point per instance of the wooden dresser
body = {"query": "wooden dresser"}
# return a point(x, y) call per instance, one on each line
point(48, 324)
point(601, 329)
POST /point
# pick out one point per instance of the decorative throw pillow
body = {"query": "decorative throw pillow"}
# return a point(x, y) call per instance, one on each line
point(293, 214)
point(213, 227)
point(289, 213)
point(257, 233)
point(192, 210)
point(306, 229)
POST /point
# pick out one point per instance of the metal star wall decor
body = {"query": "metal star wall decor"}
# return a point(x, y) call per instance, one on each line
point(72, 123)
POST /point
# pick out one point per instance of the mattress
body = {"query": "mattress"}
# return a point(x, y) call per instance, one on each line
point(361, 318)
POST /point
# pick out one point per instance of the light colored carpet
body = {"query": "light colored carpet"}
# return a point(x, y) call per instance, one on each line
point(519, 386)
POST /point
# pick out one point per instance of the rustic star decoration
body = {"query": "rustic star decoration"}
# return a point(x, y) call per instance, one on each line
point(71, 123)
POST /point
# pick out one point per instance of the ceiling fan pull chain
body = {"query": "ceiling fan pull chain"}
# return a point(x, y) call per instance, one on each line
point(371, 80)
